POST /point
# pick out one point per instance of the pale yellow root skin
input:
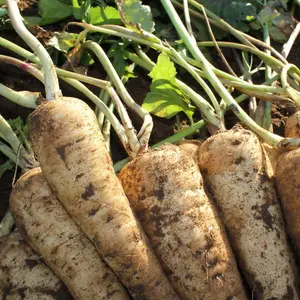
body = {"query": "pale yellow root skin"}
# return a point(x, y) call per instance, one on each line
point(23, 275)
point(292, 127)
point(288, 186)
point(190, 147)
point(165, 188)
point(237, 174)
point(274, 155)
point(69, 145)
point(49, 230)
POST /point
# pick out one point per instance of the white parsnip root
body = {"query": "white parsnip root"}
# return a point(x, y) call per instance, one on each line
point(237, 174)
point(23, 274)
point(49, 230)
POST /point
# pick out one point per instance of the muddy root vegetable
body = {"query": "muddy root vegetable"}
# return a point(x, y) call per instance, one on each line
point(48, 229)
point(236, 172)
point(23, 275)
point(288, 186)
point(70, 148)
point(165, 188)
point(292, 126)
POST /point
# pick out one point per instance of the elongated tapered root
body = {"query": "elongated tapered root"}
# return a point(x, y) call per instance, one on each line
point(292, 126)
point(49, 230)
point(236, 172)
point(70, 148)
point(165, 188)
point(23, 275)
point(288, 186)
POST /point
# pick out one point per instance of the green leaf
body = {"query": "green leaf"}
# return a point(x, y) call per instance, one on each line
point(166, 99)
point(16, 124)
point(136, 13)
point(236, 13)
point(267, 15)
point(295, 95)
point(33, 20)
point(116, 52)
point(7, 166)
point(63, 41)
point(19, 127)
point(76, 10)
point(53, 11)
point(99, 16)
point(282, 27)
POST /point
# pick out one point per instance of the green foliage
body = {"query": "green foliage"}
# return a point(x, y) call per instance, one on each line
point(63, 41)
point(252, 14)
point(53, 11)
point(166, 99)
point(20, 128)
point(137, 15)
point(103, 15)
point(116, 53)
point(237, 13)
point(275, 15)
point(83, 10)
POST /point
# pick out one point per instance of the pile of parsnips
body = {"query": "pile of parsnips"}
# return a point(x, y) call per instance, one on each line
point(169, 239)
point(158, 230)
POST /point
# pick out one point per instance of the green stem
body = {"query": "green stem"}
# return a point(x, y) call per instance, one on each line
point(22, 66)
point(104, 84)
point(188, 18)
point(270, 138)
point(241, 36)
point(138, 49)
point(129, 129)
point(51, 82)
point(17, 149)
point(223, 23)
point(267, 107)
point(269, 60)
point(199, 79)
point(9, 135)
point(147, 126)
point(289, 44)
point(31, 57)
point(8, 152)
point(158, 46)
point(172, 139)
point(106, 127)
point(115, 30)
point(23, 98)
point(104, 96)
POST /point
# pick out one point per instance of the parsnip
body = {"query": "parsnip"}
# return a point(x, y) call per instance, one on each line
point(288, 186)
point(49, 230)
point(292, 126)
point(23, 275)
point(68, 143)
point(165, 188)
point(236, 172)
